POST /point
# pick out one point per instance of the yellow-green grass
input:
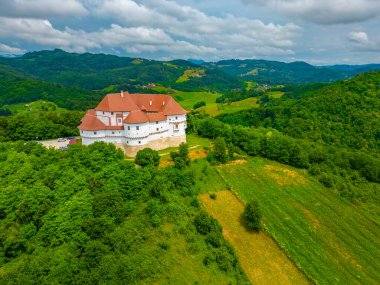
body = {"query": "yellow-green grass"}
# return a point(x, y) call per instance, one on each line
point(251, 85)
point(261, 258)
point(218, 109)
point(36, 106)
point(188, 99)
point(187, 74)
point(331, 240)
point(195, 143)
point(275, 94)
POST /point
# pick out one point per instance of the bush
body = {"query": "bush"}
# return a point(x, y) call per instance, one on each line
point(206, 224)
point(199, 104)
point(252, 216)
point(147, 157)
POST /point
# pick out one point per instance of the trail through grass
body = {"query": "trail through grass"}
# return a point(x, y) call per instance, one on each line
point(262, 260)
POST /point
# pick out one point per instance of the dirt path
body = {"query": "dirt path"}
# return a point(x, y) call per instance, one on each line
point(262, 260)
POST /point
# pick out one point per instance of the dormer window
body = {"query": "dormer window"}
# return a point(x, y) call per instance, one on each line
point(119, 120)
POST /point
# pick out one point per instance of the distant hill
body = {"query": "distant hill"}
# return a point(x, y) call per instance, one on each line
point(344, 113)
point(17, 87)
point(275, 72)
point(100, 71)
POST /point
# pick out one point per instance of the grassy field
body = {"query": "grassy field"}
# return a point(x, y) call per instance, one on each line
point(332, 241)
point(261, 258)
point(218, 109)
point(188, 99)
point(36, 106)
point(275, 94)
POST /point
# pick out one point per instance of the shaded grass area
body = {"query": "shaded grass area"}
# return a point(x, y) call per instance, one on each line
point(36, 106)
point(331, 240)
point(261, 258)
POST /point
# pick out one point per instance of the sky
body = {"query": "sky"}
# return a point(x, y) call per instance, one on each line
point(320, 32)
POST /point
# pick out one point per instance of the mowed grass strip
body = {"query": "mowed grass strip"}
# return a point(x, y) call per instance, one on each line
point(262, 260)
point(333, 241)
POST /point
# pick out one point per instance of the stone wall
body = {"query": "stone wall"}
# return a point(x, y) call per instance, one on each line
point(159, 144)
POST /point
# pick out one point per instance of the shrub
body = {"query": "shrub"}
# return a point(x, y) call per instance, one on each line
point(199, 104)
point(147, 157)
point(206, 224)
point(252, 216)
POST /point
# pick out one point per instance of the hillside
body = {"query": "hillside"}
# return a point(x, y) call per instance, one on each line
point(100, 71)
point(18, 87)
point(345, 113)
point(330, 240)
point(275, 72)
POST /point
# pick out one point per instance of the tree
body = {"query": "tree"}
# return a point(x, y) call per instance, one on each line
point(147, 157)
point(252, 216)
point(220, 150)
point(181, 158)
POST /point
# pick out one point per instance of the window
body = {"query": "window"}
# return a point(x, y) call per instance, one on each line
point(81, 132)
point(119, 120)
point(127, 141)
point(113, 133)
point(176, 118)
point(111, 113)
point(94, 133)
point(139, 142)
point(157, 129)
point(156, 122)
point(129, 128)
point(137, 127)
point(103, 112)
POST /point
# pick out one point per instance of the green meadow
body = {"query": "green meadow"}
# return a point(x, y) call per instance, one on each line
point(331, 240)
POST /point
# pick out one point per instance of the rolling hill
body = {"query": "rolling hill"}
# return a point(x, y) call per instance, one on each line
point(100, 71)
point(344, 113)
point(275, 72)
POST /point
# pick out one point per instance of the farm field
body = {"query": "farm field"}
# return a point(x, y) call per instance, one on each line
point(332, 241)
point(218, 109)
point(261, 258)
point(188, 99)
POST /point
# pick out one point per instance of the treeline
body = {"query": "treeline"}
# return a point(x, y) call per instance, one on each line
point(88, 216)
point(350, 172)
point(40, 125)
point(341, 114)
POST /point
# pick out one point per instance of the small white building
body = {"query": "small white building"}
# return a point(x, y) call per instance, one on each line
point(135, 120)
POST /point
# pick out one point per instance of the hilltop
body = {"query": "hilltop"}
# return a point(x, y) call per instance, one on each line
point(275, 72)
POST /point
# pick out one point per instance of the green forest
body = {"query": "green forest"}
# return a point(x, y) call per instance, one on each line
point(89, 215)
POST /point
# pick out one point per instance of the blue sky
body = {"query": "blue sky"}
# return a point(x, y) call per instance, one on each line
point(320, 32)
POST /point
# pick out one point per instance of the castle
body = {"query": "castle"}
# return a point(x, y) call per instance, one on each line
point(135, 121)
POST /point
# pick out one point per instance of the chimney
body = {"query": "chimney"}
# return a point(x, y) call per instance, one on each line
point(150, 102)
point(122, 94)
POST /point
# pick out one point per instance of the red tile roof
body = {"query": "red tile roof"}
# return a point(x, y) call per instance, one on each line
point(91, 123)
point(146, 102)
point(156, 117)
point(136, 117)
point(141, 107)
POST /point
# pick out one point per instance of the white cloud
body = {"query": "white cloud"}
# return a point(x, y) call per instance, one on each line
point(325, 11)
point(359, 37)
point(361, 42)
point(159, 26)
point(41, 8)
point(5, 49)
point(229, 36)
